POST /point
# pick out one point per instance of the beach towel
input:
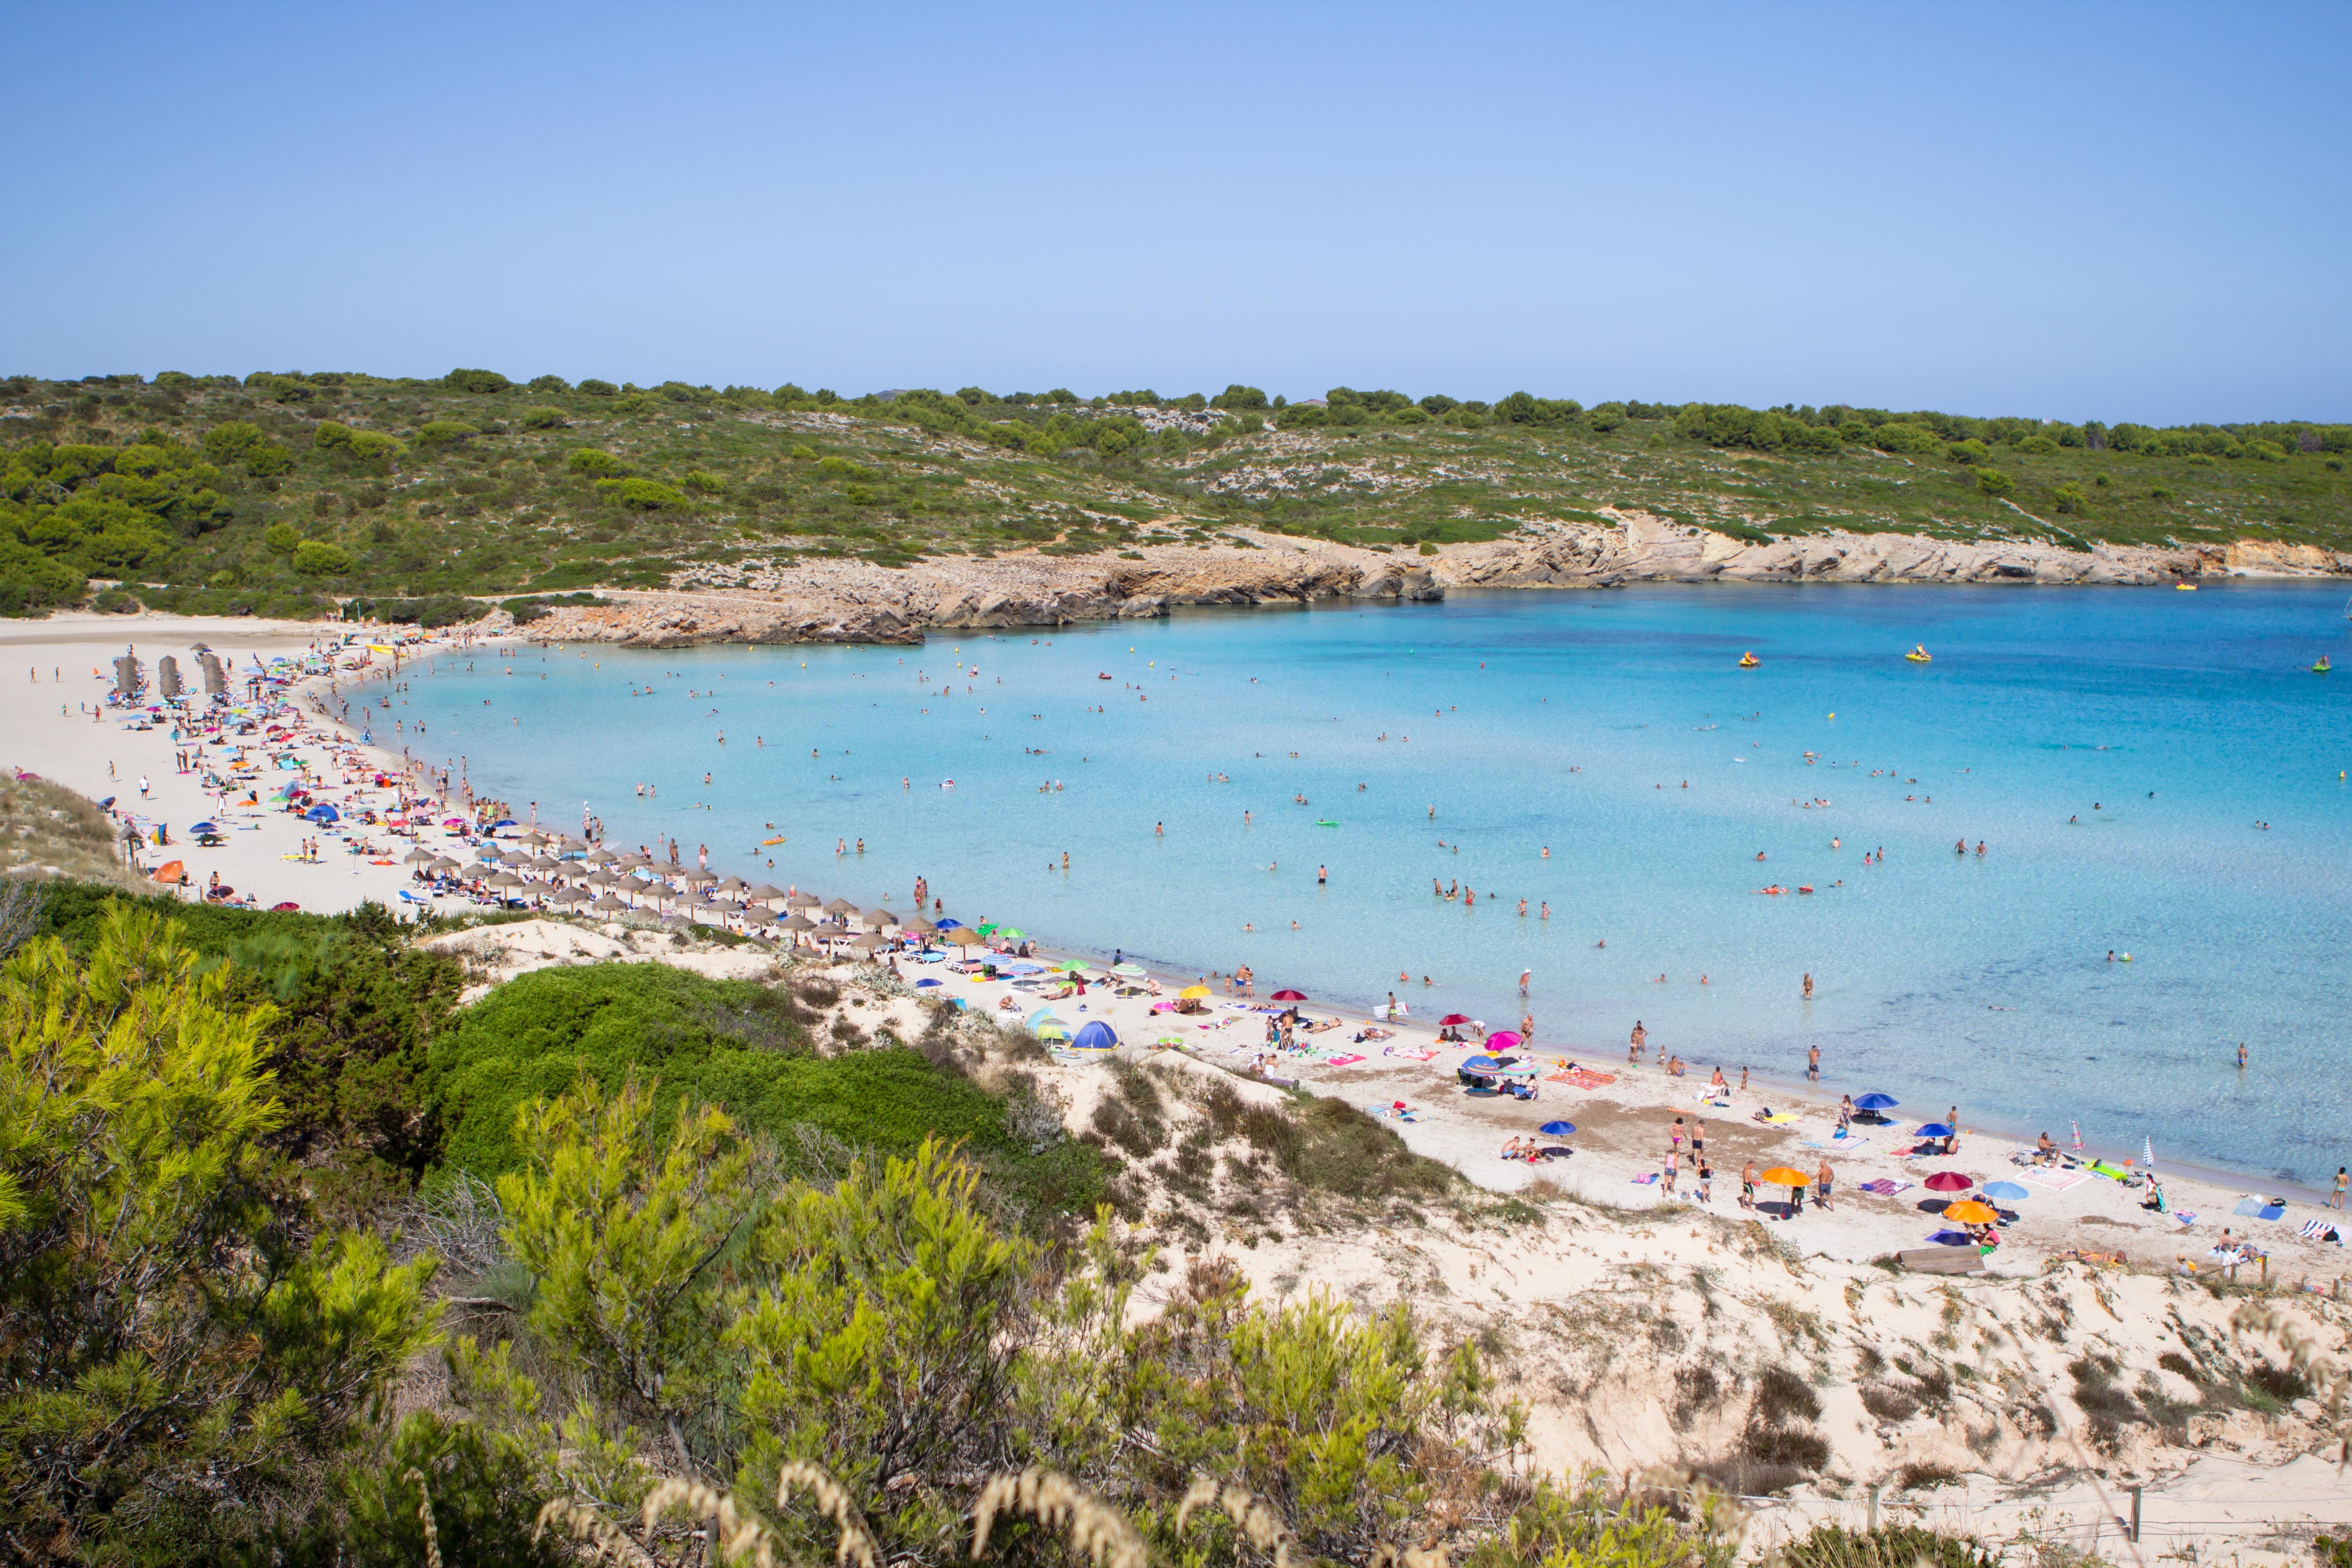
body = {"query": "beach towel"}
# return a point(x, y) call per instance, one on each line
point(1408, 1051)
point(1584, 1078)
point(1779, 1119)
point(1351, 1060)
point(2057, 1180)
point(1833, 1145)
point(1887, 1186)
point(2254, 1208)
point(2186, 1217)
point(1646, 1178)
point(2320, 1230)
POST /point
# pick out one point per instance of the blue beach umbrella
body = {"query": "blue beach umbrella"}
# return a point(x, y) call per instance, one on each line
point(926, 984)
point(2006, 1192)
point(948, 925)
point(322, 813)
point(1556, 1128)
point(1875, 1102)
point(1934, 1130)
point(1481, 1064)
point(1097, 1035)
point(1953, 1238)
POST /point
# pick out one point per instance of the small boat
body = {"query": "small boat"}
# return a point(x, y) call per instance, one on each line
point(2184, 587)
point(1749, 661)
point(2323, 666)
point(1921, 655)
point(1326, 821)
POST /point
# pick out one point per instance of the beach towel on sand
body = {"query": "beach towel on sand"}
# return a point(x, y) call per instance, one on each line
point(1835, 1145)
point(2254, 1208)
point(1582, 1077)
point(1408, 1051)
point(1885, 1186)
point(1646, 1178)
point(1351, 1060)
point(2057, 1180)
point(2320, 1230)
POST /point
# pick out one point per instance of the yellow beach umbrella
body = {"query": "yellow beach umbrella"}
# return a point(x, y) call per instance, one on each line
point(1193, 994)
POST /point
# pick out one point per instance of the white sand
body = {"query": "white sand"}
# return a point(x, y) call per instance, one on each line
point(68, 661)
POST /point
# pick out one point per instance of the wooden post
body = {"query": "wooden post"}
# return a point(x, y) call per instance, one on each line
point(1873, 1505)
point(2134, 1519)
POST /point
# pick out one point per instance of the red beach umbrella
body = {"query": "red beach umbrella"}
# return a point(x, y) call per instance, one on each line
point(1451, 1019)
point(1949, 1182)
point(1290, 995)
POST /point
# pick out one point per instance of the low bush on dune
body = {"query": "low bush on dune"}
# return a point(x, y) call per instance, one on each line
point(741, 1045)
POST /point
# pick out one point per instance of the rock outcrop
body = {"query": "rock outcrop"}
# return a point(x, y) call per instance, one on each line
point(854, 601)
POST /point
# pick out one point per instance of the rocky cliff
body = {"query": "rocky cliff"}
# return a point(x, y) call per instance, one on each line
point(852, 600)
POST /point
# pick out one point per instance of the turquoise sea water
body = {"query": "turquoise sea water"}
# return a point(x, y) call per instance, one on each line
point(2166, 725)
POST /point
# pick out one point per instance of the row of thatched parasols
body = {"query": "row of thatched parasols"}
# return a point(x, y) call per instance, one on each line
point(605, 882)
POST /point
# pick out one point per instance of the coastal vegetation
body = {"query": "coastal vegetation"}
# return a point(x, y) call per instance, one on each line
point(435, 500)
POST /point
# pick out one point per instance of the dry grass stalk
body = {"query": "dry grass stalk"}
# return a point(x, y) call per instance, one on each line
point(584, 1524)
point(1054, 1500)
point(856, 1543)
point(424, 1516)
point(1254, 1515)
point(1388, 1556)
point(741, 1535)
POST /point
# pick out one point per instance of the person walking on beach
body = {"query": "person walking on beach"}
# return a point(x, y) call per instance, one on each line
point(1674, 1160)
point(1823, 1181)
point(1747, 1185)
point(2343, 1180)
point(1812, 1064)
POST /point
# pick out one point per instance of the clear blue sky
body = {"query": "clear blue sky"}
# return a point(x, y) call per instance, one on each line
point(2072, 211)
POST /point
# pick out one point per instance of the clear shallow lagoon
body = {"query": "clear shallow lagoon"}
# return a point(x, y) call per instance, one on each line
point(2168, 723)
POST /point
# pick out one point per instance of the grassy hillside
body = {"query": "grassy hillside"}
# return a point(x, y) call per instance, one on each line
point(281, 493)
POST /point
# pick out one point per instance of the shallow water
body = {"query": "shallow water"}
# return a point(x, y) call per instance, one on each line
point(1616, 729)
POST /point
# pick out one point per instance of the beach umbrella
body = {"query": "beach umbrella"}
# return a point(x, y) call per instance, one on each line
point(506, 879)
point(1934, 1130)
point(600, 856)
point(1782, 1176)
point(1481, 1064)
point(609, 904)
point(1556, 1128)
point(601, 876)
point(1097, 1035)
point(798, 923)
point(1451, 1019)
point(926, 983)
point(1503, 1039)
point(965, 939)
point(1077, 966)
point(802, 901)
point(1042, 1015)
point(879, 917)
point(418, 858)
point(766, 893)
point(445, 864)
point(2006, 1192)
point(1013, 933)
point(1875, 1102)
point(544, 863)
point(1290, 995)
point(567, 896)
point(511, 856)
point(841, 907)
point(1132, 970)
point(1949, 1182)
point(949, 924)
point(986, 928)
point(322, 813)
point(1194, 993)
point(1953, 1238)
point(868, 941)
point(698, 879)
point(733, 885)
point(676, 921)
point(1968, 1211)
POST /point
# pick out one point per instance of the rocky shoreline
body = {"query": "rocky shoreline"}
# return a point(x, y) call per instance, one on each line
point(857, 602)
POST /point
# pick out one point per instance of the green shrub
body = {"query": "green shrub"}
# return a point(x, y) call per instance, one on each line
point(542, 419)
point(597, 461)
point(1905, 439)
point(317, 558)
point(2068, 497)
point(544, 385)
point(115, 602)
point(267, 459)
point(632, 404)
point(369, 445)
point(1971, 451)
point(481, 381)
point(226, 443)
point(1888, 1546)
point(281, 538)
point(839, 469)
point(646, 495)
point(592, 387)
point(703, 482)
point(1993, 482)
point(1427, 548)
point(2038, 446)
point(441, 432)
point(32, 583)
